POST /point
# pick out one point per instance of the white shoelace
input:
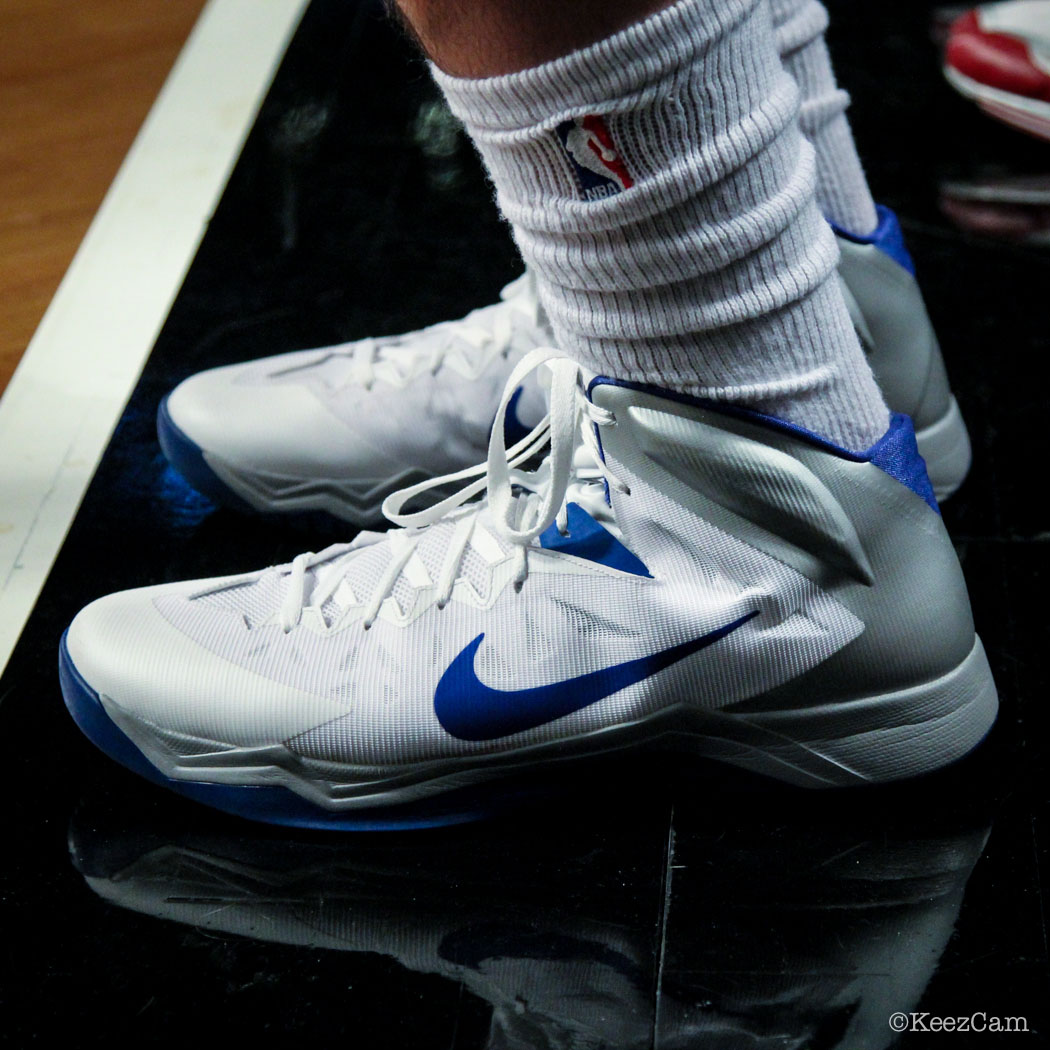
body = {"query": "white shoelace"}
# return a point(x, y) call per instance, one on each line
point(476, 339)
point(520, 504)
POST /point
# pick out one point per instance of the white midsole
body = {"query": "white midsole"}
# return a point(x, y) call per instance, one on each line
point(871, 740)
point(358, 501)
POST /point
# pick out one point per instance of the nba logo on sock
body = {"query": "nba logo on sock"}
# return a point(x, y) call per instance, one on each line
point(596, 163)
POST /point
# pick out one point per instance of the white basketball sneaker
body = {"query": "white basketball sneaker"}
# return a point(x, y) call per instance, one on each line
point(770, 600)
point(339, 429)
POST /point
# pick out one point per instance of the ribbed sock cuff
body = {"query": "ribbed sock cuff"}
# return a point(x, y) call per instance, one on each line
point(660, 190)
point(842, 188)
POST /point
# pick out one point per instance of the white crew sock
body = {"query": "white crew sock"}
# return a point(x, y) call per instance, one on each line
point(660, 190)
point(842, 189)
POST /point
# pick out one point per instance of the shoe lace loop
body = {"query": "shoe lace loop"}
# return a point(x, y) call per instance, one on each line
point(520, 504)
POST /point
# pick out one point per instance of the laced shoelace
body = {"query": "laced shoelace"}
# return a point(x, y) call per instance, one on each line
point(477, 338)
point(519, 506)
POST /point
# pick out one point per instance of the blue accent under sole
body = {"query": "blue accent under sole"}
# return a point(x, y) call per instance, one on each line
point(277, 805)
point(187, 457)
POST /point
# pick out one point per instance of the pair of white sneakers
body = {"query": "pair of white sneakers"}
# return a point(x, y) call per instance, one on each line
point(676, 573)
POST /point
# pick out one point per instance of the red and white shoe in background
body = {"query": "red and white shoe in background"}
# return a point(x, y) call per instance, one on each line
point(999, 55)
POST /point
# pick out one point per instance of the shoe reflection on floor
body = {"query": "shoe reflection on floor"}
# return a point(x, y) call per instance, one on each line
point(804, 930)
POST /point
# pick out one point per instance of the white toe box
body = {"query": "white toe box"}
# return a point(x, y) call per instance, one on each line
point(253, 417)
point(149, 672)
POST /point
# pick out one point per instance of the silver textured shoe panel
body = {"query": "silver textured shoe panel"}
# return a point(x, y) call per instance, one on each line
point(872, 543)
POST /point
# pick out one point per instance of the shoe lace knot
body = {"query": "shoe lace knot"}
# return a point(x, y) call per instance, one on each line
point(518, 506)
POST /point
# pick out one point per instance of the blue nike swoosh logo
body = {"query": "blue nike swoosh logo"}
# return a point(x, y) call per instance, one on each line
point(470, 710)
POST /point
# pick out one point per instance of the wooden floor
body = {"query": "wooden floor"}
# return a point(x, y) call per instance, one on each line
point(76, 82)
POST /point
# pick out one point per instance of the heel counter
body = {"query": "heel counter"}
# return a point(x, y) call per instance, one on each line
point(917, 615)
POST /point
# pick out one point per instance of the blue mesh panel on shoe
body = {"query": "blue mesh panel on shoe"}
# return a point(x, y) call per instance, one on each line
point(586, 538)
point(897, 453)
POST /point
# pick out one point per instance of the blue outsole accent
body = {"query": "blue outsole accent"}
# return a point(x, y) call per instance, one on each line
point(277, 805)
point(187, 457)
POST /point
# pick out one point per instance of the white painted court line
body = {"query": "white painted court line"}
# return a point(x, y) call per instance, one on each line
point(65, 398)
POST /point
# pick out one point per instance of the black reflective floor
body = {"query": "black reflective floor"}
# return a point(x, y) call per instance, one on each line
point(657, 907)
